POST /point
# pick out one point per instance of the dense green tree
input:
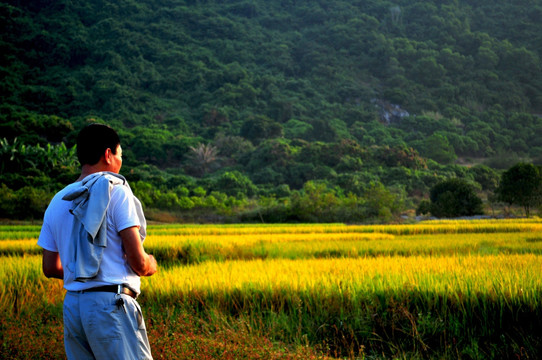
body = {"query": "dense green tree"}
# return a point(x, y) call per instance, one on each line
point(232, 148)
point(296, 129)
point(454, 197)
point(521, 185)
point(382, 204)
point(234, 183)
point(487, 177)
point(315, 202)
point(276, 154)
point(27, 203)
point(438, 148)
point(259, 128)
point(424, 208)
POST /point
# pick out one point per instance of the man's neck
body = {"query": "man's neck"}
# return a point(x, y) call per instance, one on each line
point(87, 170)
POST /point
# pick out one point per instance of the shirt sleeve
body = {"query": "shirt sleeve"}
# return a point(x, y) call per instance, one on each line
point(122, 210)
point(46, 239)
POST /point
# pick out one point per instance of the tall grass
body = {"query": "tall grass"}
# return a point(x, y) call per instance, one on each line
point(23, 286)
point(452, 289)
point(429, 227)
point(507, 278)
point(20, 232)
point(395, 305)
point(171, 249)
point(418, 301)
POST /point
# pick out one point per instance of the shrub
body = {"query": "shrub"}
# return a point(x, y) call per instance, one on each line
point(454, 197)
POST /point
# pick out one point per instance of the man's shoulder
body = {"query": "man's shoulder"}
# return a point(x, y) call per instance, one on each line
point(58, 208)
point(59, 195)
point(121, 189)
point(121, 193)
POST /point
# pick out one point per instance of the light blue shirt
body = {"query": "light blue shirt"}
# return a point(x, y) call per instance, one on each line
point(90, 202)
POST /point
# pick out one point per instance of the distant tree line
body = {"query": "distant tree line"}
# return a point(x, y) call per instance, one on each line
point(521, 185)
point(30, 175)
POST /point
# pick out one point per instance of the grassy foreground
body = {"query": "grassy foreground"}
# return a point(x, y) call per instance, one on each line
point(435, 290)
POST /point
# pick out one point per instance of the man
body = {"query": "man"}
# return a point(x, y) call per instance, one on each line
point(92, 238)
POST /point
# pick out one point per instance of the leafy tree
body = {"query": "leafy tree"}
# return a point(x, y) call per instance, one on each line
point(259, 128)
point(147, 144)
point(276, 154)
point(7, 202)
point(315, 202)
point(424, 208)
point(485, 176)
point(399, 156)
point(521, 185)
point(234, 183)
point(232, 148)
point(349, 163)
point(296, 129)
point(429, 71)
point(454, 197)
point(28, 202)
point(381, 204)
point(438, 148)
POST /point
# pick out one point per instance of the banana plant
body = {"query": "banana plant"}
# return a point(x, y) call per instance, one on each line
point(17, 156)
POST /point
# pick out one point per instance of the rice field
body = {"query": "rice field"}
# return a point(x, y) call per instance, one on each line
point(438, 289)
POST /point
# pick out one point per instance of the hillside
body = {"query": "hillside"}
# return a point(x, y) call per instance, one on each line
point(277, 93)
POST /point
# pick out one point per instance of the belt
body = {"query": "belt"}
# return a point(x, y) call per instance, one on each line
point(117, 289)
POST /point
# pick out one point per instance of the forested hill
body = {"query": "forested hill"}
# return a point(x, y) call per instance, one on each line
point(284, 91)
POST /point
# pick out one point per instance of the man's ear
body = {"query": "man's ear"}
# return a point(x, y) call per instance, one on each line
point(107, 156)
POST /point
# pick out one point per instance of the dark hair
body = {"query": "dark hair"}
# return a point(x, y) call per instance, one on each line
point(92, 142)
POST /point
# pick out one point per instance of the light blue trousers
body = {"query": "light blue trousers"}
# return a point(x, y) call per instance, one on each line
point(96, 327)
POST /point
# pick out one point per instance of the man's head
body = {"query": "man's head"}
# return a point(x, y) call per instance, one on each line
point(97, 140)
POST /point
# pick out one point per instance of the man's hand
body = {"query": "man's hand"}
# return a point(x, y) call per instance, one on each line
point(154, 266)
point(142, 263)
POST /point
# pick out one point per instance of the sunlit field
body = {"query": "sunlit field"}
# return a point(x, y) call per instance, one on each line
point(438, 290)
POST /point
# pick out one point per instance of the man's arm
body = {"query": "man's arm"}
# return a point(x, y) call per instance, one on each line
point(51, 265)
point(142, 263)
